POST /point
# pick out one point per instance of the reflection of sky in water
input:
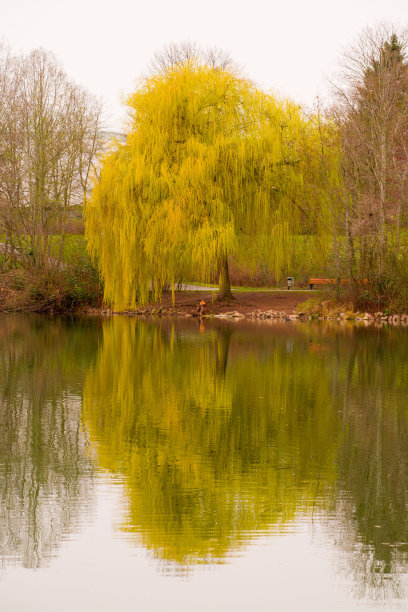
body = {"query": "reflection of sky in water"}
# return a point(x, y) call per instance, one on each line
point(159, 468)
point(101, 569)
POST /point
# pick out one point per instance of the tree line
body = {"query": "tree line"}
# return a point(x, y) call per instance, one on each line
point(214, 171)
point(372, 120)
point(49, 139)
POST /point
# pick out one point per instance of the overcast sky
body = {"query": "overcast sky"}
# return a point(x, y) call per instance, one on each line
point(287, 46)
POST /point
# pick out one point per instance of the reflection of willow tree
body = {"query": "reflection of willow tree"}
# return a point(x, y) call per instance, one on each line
point(217, 438)
point(223, 434)
point(44, 470)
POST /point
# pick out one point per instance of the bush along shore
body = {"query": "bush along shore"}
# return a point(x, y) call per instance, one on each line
point(71, 287)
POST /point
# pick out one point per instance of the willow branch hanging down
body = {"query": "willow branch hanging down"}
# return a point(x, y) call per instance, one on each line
point(207, 157)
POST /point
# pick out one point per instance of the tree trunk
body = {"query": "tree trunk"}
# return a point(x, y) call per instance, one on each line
point(224, 339)
point(224, 287)
point(383, 179)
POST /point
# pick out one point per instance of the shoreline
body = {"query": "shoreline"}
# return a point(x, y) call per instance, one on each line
point(365, 318)
point(277, 305)
point(254, 306)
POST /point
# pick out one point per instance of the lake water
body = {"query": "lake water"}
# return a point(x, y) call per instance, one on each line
point(167, 466)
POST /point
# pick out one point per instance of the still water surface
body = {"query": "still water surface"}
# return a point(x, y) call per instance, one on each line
point(157, 465)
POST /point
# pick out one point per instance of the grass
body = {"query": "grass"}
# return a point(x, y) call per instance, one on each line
point(240, 289)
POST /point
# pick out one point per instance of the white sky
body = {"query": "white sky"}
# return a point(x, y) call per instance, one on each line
point(287, 46)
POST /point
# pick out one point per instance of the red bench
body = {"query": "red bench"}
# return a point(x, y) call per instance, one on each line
point(324, 281)
point(329, 281)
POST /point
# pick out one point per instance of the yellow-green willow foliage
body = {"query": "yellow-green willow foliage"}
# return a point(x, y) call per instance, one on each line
point(217, 440)
point(209, 160)
point(320, 245)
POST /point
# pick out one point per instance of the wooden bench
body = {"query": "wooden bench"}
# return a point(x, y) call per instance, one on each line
point(324, 281)
point(331, 281)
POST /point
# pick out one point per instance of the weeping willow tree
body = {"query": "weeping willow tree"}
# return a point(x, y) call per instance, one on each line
point(210, 165)
point(321, 246)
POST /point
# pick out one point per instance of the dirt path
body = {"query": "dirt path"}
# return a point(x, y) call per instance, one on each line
point(243, 302)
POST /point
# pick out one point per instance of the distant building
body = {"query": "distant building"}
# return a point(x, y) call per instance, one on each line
point(107, 139)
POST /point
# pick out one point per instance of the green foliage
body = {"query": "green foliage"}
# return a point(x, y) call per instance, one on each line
point(83, 286)
point(71, 286)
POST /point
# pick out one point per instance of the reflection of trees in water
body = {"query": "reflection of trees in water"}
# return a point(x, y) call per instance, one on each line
point(211, 434)
point(225, 434)
point(44, 469)
point(373, 460)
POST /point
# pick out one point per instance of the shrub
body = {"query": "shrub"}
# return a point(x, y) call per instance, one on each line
point(69, 287)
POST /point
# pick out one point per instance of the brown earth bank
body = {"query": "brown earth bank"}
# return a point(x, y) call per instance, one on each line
point(286, 305)
point(250, 305)
point(243, 303)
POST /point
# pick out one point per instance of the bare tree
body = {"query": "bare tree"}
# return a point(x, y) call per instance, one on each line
point(373, 119)
point(175, 54)
point(49, 137)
